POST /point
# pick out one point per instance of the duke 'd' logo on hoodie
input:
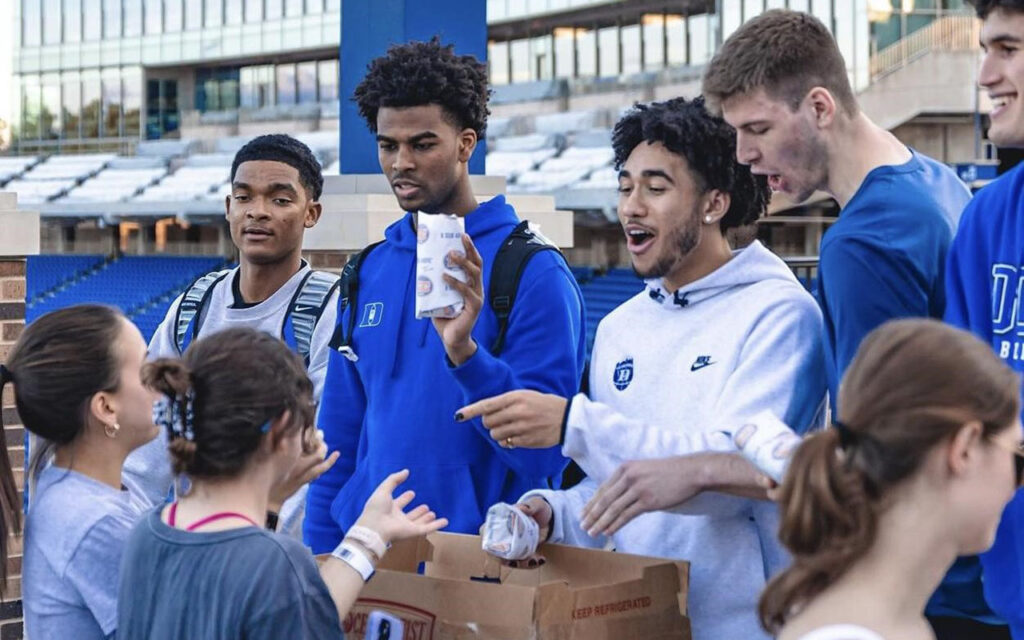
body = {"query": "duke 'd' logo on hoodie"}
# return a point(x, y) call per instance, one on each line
point(623, 374)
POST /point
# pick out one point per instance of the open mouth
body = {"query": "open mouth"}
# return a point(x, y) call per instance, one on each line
point(776, 183)
point(639, 239)
point(405, 190)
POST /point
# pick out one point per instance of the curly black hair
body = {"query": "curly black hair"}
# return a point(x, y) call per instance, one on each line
point(420, 73)
point(279, 147)
point(985, 7)
point(707, 142)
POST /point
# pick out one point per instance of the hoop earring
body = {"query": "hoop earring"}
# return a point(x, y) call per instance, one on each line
point(111, 430)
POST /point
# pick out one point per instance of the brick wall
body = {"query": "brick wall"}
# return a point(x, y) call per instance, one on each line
point(12, 321)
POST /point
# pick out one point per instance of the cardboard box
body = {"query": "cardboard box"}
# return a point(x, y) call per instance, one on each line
point(579, 594)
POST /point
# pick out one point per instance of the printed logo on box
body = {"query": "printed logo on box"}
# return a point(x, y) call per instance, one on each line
point(422, 234)
point(449, 263)
point(419, 624)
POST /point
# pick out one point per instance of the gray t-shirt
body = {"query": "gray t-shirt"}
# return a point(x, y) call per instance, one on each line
point(74, 536)
point(240, 583)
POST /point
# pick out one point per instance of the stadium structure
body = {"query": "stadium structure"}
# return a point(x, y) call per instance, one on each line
point(129, 111)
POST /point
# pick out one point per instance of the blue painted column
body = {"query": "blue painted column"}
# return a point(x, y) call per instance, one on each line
point(368, 28)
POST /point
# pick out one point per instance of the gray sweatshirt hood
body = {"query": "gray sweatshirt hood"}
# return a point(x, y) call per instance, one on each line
point(751, 264)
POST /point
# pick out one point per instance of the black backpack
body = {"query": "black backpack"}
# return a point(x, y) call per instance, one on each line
point(515, 251)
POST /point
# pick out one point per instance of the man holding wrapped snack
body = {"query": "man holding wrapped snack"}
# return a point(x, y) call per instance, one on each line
point(419, 340)
point(717, 337)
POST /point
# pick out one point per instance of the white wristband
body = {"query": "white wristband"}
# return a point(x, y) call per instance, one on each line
point(355, 558)
point(369, 539)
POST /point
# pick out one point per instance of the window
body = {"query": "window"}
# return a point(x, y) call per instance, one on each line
point(172, 16)
point(700, 39)
point(111, 18)
point(519, 52)
point(253, 10)
point(30, 23)
point(608, 51)
point(314, 7)
point(49, 114)
point(51, 21)
point(112, 99)
point(71, 105)
point(273, 9)
point(654, 41)
point(293, 7)
point(586, 52)
point(154, 16)
point(91, 105)
point(30, 107)
point(193, 15)
point(327, 75)
point(132, 19)
point(132, 102)
point(335, 5)
point(214, 13)
point(305, 76)
point(92, 20)
point(286, 84)
point(72, 20)
point(256, 86)
point(564, 41)
point(497, 62)
point(233, 12)
point(675, 35)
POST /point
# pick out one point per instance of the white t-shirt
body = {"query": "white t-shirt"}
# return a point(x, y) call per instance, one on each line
point(148, 467)
point(842, 632)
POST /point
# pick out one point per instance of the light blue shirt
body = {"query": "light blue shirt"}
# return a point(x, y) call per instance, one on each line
point(74, 538)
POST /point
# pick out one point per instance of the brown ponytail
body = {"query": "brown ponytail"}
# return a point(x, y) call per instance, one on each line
point(222, 397)
point(912, 384)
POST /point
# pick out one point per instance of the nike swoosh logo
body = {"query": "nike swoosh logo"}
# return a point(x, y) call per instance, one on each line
point(700, 365)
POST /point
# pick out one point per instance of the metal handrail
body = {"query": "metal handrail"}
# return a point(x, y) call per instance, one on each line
point(950, 33)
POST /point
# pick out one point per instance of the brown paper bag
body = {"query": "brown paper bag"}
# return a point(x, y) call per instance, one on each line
point(579, 594)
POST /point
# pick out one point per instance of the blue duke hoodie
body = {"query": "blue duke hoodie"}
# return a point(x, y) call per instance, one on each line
point(984, 290)
point(394, 407)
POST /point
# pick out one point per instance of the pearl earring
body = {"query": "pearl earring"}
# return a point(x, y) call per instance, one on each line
point(111, 430)
point(707, 219)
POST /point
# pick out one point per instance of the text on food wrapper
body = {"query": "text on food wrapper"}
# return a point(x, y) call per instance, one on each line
point(611, 608)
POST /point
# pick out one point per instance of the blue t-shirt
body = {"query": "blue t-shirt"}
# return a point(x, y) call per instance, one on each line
point(885, 257)
point(74, 536)
point(240, 583)
point(985, 287)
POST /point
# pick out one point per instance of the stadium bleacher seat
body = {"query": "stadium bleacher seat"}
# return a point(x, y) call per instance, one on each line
point(121, 179)
point(12, 167)
point(566, 121)
point(142, 286)
point(47, 272)
point(201, 174)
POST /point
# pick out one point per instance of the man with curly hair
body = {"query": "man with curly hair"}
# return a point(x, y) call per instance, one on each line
point(717, 337)
point(394, 406)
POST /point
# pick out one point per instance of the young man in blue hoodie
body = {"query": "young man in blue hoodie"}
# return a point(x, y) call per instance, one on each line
point(985, 276)
point(394, 406)
point(717, 337)
point(781, 81)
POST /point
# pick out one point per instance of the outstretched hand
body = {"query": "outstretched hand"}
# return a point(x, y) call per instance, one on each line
point(385, 513)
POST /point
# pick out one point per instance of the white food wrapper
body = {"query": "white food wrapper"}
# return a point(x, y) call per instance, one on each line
point(768, 443)
point(438, 235)
point(509, 533)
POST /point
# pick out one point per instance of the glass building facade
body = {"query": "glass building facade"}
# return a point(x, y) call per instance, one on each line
point(570, 39)
point(94, 70)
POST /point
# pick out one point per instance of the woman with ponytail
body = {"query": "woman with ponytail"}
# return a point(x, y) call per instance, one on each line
point(78, 390)
point(917, 473)
point(238, 410)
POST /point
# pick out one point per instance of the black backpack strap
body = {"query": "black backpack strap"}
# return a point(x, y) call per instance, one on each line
point(509, 263)
point(305, 309)
point(341, 341)
point(190, 311)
